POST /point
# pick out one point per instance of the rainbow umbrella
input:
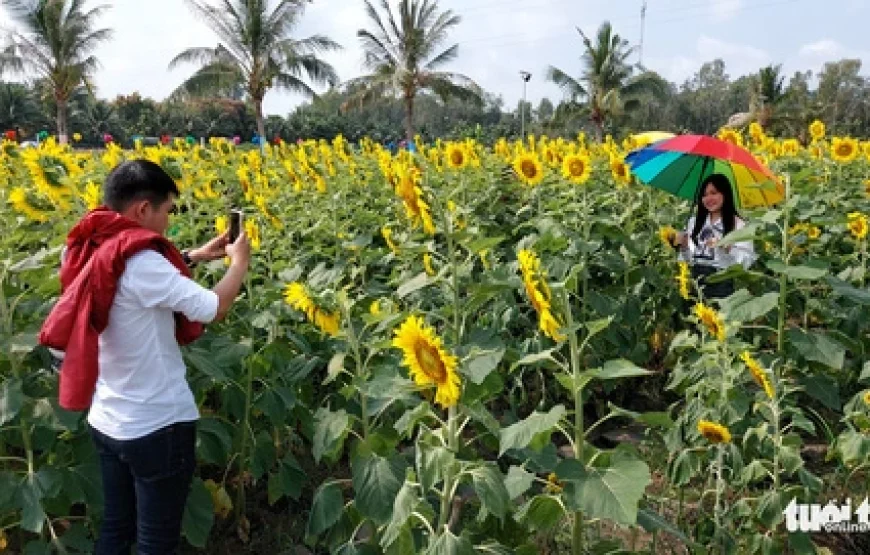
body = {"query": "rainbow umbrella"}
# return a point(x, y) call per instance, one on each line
point(679, 165)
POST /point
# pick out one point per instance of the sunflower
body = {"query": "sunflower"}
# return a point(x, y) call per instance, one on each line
point(817, 130)
point(296, 296)
point(456, 156)
point(817, 151)
point(427, 264)
point(715, 433)
point(77, 137)
point(220, 225)
point(50, 169)
point(387, 234)
point(92, 195)
point(730, 136)
point(253, 233)
point(375, 308)
point(758, 373)
point(25, 204)
point(866, 397)
point(529, 168)
point(755, 129)
point(790, 147)
point(844, 149)
point(858, 225)
point(576, 169)
point(534, 280)
point(620, 171)
point(813, 232)
point(427, 361)
point(711, 321)
point(684, 279)
point(667, 234)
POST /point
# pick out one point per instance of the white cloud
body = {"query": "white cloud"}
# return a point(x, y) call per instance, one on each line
point(740, 59)
point(826, 48)
point(724, 10)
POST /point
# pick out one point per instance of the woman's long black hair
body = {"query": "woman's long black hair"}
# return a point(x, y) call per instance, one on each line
point(729, 209)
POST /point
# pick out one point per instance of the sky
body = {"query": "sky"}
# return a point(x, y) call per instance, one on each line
point(499, 38)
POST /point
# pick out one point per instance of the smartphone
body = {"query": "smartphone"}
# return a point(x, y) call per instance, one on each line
point(236, 217)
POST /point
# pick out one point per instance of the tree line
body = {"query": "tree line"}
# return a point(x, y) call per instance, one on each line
point(406, 89)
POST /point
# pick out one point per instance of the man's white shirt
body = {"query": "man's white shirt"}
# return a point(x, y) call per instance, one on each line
point(142, 385)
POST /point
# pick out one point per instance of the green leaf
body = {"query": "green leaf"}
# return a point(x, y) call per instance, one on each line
point(431, 462)
point(416, 283)
point(484, 243)
point(534, 358)
point(519, 435)
point(336, 365)
point(214, 441)
point(652, 522)
point(597, 326)
point(518, 481)
point(405, 503)
point(843, 289)
point(489, 485)
point(30, 501)
point(405, 425)
point(817, 347)
point(798, 272)
point(481, 363)
point(744, 307)
point(542, 513)
point(612, 492)
point(330, 431)
point(448, 544)
point(11, 400)
point(198, 514)
point(618, 368)
point(746, 233)
point(865, 373)
point(326, 509)
point(376, 483)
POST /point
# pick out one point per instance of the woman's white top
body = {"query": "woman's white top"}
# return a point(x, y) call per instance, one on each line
point(720, 258)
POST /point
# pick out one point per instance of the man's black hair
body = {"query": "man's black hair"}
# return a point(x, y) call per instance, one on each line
point(136, 180)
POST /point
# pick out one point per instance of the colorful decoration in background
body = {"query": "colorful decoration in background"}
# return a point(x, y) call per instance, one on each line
point(77, 137)
point(10, 135)
point(190, 139)
point(42, 135)
point(107, 138)
point(165, 139)
point(237, 140)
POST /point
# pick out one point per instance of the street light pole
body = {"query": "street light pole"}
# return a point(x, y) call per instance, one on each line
point(525, 75)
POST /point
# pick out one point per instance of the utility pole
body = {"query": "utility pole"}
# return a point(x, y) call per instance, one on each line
point(642, 29)
point(525, 75)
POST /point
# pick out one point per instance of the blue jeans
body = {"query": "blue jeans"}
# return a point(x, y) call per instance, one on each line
point(145, 486)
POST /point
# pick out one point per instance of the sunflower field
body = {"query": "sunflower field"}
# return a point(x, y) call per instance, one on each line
point(473, 349)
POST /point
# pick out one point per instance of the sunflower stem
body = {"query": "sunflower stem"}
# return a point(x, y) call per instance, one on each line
point(783, 278)
point(579, 435)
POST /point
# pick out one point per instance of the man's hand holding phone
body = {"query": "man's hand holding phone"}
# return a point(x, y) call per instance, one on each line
point(239, 251)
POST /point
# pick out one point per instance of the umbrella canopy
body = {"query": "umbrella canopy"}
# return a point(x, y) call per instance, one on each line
point(679, 166)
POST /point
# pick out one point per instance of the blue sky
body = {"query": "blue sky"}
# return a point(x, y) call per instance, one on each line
point(498, 38)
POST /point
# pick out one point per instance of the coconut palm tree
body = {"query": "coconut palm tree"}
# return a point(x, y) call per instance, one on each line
point(257, 51)
point(55, 42)
point(400, 52)
point(769, 93)
point(609, 85)
point(18, 107)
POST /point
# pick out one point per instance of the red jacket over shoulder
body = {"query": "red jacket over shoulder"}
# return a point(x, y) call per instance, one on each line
point(97, 251)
